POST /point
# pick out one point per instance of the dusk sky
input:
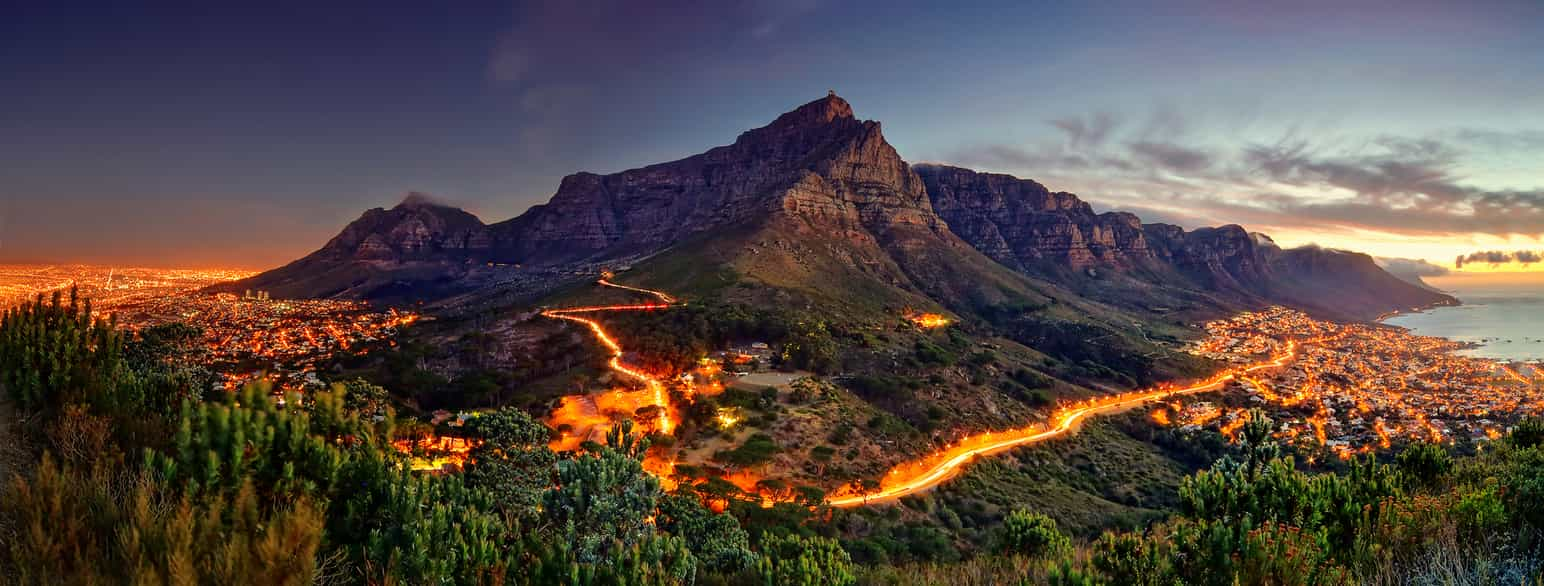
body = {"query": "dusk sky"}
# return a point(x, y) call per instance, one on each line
point(200, 133)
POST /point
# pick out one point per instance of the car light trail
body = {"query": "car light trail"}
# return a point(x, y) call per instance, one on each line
point(913, 478)
point(656, 388)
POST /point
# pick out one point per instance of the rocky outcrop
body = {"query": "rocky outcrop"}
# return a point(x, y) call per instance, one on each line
point(817, 165)
point(1225, 258)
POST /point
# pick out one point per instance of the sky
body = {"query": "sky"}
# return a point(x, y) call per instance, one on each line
point(246, 134)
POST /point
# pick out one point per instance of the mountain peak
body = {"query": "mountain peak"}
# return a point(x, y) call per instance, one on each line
point(817, 113)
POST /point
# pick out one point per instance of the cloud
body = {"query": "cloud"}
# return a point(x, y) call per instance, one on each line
point(1086, 131)
point(1499, 257)
point(1412, 266)
point(1501, 140)
point(1408, 186)
point(1172, 156)
point(560, 62)
point(565, 41)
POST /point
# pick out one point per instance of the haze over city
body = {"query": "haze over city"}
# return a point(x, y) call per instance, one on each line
point(185, 134)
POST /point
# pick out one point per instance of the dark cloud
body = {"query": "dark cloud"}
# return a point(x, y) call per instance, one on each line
point(1172, 156)
point(1499, 257)
point(1086, 131)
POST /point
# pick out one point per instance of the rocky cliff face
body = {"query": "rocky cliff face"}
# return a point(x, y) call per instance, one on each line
point(1020, 223)
point(817, 166)
point(817, 161)
point(1224, 258)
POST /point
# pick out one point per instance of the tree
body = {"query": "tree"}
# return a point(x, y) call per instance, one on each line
point(366, 399)
point(1424, 463)
point(716, 539)
point(1031, 534)
point(1216, 552)
point(1256, 443)
point(104, 525)
point(803, 561)
point(1134, 559)
point(1063, 574)
point(511, 460)
point(54, 354)
point(1527, 433)
point(604, 503)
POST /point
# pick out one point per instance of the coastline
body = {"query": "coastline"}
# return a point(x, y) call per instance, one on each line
point(1474, 347)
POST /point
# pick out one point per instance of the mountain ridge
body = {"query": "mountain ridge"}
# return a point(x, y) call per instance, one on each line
point(820, 164)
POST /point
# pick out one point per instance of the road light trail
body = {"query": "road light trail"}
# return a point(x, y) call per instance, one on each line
point(1512, 374)
point(655, 387)
point(954, 459)
point(661, 295)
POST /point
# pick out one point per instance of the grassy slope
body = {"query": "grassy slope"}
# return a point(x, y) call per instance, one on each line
point(856, 283)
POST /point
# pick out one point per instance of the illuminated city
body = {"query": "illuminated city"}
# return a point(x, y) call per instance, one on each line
point(1360, 387)
point(244, 336)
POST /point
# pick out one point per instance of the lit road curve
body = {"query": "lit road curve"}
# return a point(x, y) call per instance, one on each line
point(655, 387)
point(898, 484)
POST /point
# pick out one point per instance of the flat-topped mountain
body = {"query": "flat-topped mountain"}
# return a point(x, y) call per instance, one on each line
point(832, 183)
point(817, 160)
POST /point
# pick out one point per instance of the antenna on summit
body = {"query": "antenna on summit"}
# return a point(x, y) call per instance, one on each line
point(830, 93)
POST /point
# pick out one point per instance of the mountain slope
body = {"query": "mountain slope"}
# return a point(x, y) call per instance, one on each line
point(1348, 283)
point(416, 249)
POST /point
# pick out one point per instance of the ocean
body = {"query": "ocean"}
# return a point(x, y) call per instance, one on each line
point(1502, 313)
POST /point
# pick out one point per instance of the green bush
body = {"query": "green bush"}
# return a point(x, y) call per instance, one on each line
point(1031, 534)
point(803, 561)
point(1425, 464)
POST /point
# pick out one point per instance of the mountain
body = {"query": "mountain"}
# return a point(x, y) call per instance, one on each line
point(813, 235)
point(816, 204)
point(819, 188)
point(818, 161)
point(1349, 283)
point(418, 248)
point(1023, 225)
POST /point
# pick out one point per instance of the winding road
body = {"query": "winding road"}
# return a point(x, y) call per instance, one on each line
point(656, 388)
